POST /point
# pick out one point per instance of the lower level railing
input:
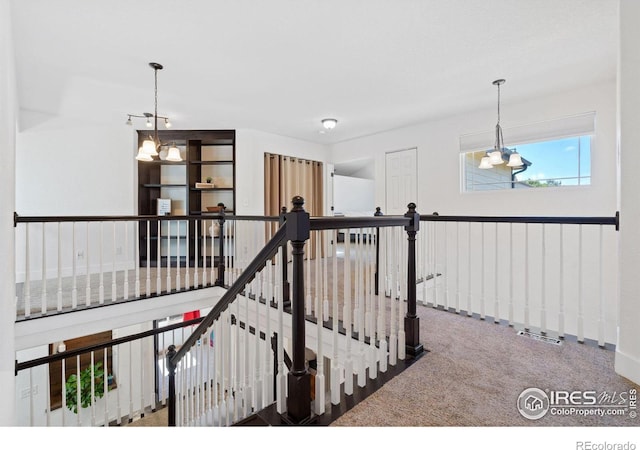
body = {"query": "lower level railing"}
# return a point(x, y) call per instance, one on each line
point(109, 379)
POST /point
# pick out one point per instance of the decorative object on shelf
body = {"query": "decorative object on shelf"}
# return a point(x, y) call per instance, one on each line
point(218, 208)
point(151, 145)
point(209, 180)
point(86, 396)
point(500, 153)
point(164, 206)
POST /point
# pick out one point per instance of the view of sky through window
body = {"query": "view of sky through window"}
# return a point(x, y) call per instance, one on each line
point(564, 162)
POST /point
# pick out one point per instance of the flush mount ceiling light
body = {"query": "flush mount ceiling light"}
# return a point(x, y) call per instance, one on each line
point(151, 145)
point(329, 124)
point(500, 153)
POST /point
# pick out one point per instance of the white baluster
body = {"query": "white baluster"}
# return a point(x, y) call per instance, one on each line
point(268, 366)
point(482, 271)
point(27, 273)
point(257, 378)
point(169, 256)
point(59, 297)
point(204, 251)
point(78, 391)
point(105, 386)
point(125, 254)
point(308, 299)
point(281, 401)
point(496, 304)
point(393, 342)
point(580, 265)
point(435, 264)
point(196, 239)
point(63, 370)
point(101, 254)
point(88, 272)
point(346, 315)
point(469, 310)
point(601, 292)
point(457, 267)
point(323, 236)
point(247, 393)
point(187, 276)
point(43, 299)
point(178, 265)
point(74, 288)
point(526, 276)
point(511, 274)
point(113, 265)
point(362, 360)
point(335, 370)
point(159, 260)
point(383, 347)
point(445, 271)
point(561, 286)
point(543, 288)
point(402, 245)
point(373, 350)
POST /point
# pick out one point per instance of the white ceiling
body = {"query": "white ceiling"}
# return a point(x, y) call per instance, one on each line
point(282, 65)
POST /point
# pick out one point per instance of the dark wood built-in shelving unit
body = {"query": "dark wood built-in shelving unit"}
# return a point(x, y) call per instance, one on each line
point(205, 153)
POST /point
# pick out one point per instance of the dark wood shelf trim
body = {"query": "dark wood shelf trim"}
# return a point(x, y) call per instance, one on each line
point(212, 189)
point(162, 185)
point(213, 163)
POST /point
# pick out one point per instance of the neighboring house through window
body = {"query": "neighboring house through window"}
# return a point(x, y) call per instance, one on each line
point(554, 153)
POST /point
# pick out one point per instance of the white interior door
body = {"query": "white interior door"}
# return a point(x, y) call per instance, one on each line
point(401, 174)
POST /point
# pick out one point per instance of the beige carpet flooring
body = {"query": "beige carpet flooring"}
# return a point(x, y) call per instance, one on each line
point(474, 373)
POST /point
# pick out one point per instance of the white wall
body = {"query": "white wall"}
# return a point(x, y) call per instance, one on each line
point(250, 148)
point(439, 164)
point(8, 118)
point(353, 196)
point(66, 169)
point(628, 350)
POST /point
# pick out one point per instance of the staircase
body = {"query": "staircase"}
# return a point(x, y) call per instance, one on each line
point(226, 373)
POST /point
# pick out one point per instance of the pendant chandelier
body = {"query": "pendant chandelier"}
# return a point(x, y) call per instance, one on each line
point(151, 146)
point(500, 153)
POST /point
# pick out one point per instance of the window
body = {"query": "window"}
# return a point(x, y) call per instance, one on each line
point(555, 154)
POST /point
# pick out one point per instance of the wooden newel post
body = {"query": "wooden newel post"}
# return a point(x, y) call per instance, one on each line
point(171, 403)
point(299, 379)
point(377, 276)
point(220, 280)
point(411, 321)
point(286, 287)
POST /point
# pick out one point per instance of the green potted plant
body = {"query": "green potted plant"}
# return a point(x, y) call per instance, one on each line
point(209, 180)
point(71, 387)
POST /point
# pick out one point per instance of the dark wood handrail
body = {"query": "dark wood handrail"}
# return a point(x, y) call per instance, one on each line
point(568, 220)
point(268, 251)
point(339, 223)
point(118, 218)
point(91, 348)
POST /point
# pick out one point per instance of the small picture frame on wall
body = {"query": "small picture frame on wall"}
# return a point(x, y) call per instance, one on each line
point(164, 206)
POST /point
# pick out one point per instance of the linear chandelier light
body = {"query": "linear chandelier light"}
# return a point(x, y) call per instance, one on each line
point(152, 144)
point(500, 153)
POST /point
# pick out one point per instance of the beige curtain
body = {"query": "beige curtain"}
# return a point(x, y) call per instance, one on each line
point(287, 176)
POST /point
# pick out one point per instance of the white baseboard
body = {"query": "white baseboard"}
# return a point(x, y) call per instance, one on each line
point(627, 366)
